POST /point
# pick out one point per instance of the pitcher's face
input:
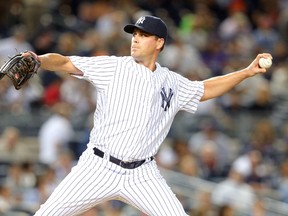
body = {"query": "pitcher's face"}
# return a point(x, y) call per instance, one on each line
point(144, 45)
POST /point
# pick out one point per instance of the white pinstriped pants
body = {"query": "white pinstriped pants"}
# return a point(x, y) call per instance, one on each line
point(94, 180)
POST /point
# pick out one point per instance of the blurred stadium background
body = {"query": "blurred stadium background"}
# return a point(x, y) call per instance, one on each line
point(230, 158)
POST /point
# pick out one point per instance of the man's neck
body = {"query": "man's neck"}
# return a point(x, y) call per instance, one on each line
point(151, 65)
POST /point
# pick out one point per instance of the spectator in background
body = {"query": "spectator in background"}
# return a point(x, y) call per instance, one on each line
point(34, 196)
point(254, 170)
point(251, 94)
point(203, 205)
point(64, 164)
point(226, 210)
point(83, 138)
point(210, 133)
point(33, 12)
point(11, 147)
point(83, 101)
point(55, 134)
point(5, 85)
point(234, 192)
point(17, 42)
point(21, 177)
point(263, 142)
point(171, 153)
point(256, 94)
point(26, 99)
point(188, 165)
point(278, 87)
point(5, 198)
point(196, 26)
point(210, 167)
point(265, 34)
point(235, 24)
point(92, 43)
point(52, 92)
point(44, 40)
point(109, 24)
point(166, 157)
point(283, 143)
point(67, 43)
point(282, 182)
point(184, 58)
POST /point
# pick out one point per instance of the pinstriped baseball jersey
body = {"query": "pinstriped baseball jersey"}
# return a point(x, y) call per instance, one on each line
point(135, 106)
point(135, 109)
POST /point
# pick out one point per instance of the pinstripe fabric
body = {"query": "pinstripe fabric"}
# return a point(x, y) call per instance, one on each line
point(94, 180)
point(130, 123)
point(135, 109)
point(83, 188)
point(148, 191)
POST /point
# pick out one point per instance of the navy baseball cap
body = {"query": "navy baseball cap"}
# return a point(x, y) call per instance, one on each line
point(150, 24)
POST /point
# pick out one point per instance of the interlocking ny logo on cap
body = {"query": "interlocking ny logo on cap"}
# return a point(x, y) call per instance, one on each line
point(140, 20)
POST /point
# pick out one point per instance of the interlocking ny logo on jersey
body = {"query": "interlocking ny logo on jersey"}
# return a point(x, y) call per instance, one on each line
point(166, 98)
point(140, 20)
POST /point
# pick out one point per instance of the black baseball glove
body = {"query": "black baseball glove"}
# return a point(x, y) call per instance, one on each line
point(20, 68)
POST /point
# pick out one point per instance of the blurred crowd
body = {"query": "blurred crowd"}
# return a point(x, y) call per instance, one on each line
point(239, 141)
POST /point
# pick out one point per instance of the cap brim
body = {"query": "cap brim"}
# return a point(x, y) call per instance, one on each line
point(130, 28)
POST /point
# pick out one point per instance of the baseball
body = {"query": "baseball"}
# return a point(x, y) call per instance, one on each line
point(265, 62)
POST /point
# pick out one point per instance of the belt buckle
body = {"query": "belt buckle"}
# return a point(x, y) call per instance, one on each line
point(123, 163)
point(106, 156)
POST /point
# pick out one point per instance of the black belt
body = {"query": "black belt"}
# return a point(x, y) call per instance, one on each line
point(126, 165)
